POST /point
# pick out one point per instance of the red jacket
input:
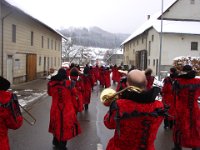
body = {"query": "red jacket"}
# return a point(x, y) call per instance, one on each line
point(80, 91)
point(135, 127)
point(63, 122)
point(150, 80)
point(168, 97)
point(187, 114)
point(7, 120)
point(87, 81)
point(107, 78)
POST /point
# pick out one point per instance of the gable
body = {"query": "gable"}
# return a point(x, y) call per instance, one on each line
point(183, 10)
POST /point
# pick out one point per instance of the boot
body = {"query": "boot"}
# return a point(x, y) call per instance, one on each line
point(55, 141)
point(166, 123)
point(171, 124)
point(62, 145)
point(177, 147)
point(86, 107)
point(196, 148)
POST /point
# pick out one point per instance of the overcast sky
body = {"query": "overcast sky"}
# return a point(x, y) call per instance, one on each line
point(116, 16)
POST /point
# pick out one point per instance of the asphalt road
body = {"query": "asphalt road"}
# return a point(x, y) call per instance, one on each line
point(94, 134)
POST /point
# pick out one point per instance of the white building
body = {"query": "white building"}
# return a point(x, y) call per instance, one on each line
point(180, 37)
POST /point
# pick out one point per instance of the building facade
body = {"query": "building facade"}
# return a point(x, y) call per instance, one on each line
point(29, 48)
point(176, 34)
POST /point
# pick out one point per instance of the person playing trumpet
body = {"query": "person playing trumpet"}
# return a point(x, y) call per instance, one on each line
point(136, 116)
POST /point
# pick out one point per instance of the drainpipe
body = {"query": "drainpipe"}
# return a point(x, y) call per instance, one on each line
point(2, 40)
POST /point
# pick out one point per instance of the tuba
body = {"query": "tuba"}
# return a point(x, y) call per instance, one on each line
point(109, 95)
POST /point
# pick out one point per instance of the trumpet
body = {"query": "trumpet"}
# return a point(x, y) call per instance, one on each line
point(109, 95)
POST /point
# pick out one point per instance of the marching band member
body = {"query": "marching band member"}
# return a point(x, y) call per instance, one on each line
point(135, 118)
point(168, 98)
point(63, 120)
point(10, 114)
point(150, 78)
point(87, 81)
point(74, 75)
point(186, 131)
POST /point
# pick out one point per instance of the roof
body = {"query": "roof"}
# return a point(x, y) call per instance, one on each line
point(21, 11)
point(184, 27)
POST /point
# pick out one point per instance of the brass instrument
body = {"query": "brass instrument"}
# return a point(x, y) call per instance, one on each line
point(108, 95)
point(31, 121)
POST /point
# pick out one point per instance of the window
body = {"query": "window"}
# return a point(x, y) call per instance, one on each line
point(149, 62)
point(152, 38)
point(55, 61)
point(194, 45)
point(154, 62)
point(52, 44)
point(32, 38)
point(40, 61)
point(42, 41)
point(14, 33)
point(149, 48)
point(142, 40)
point(192, 1)
point(48, 43)
point(55, 45)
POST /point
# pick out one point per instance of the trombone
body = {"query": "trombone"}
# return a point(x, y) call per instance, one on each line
point(109, 95)
point(29, 114)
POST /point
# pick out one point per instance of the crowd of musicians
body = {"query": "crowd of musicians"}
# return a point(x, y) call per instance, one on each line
point(135, 116)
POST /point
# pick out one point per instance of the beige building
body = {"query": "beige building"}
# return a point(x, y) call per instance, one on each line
point(177, 35)
point(28, 47)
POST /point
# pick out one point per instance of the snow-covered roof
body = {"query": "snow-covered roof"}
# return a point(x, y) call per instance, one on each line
point(12, 5)
point(185, 27)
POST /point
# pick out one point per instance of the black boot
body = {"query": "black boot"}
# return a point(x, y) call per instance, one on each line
point(196, 148)
point(177, 147)
point(171, 124)
point(86, 107)
point(62, 145)
point(55, 141)
point(166, 123)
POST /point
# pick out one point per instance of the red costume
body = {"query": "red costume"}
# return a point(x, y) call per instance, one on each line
point(96, 72)
point(187, 114)
point(101, 76)
point(114, 73)
point(74, 75)
point(10, 115)
point(150, 80)
point(87, 81)
point(63, 122)
point(136, 119)
point(168, 99)
point(107, 77)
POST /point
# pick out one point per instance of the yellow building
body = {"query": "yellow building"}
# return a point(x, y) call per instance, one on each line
point(28, 47)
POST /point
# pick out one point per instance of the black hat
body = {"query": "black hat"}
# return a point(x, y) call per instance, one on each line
point(4, 84)
point(86, 70)
point(61, 75)
point(74, 72)
point(187, 68)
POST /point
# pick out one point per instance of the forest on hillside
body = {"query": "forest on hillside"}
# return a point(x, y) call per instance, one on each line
point(94, 37)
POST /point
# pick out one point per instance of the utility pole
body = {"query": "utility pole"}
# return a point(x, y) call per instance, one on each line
point(161, 36)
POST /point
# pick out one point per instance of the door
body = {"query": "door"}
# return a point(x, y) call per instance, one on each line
point(10, 69)
point(31, 66)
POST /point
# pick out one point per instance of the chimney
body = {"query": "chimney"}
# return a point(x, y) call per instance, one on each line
point(148, 17)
